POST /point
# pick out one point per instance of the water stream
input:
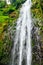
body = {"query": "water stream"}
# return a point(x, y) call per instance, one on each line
point(21, 52)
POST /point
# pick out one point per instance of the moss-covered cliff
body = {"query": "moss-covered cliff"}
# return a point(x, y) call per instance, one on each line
point(37, 32)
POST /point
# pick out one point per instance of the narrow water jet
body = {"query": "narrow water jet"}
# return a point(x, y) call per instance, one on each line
point(21, 52)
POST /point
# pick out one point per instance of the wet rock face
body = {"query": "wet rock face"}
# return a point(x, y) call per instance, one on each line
point(37, 47)
point(37, 32)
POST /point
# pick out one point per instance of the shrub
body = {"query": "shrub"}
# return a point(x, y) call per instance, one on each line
point(2, 4)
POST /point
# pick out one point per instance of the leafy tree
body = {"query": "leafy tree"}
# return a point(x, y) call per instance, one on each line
point(2, 4)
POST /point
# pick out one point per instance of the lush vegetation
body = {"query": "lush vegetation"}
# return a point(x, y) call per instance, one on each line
point(8, 17)
point(37, 31)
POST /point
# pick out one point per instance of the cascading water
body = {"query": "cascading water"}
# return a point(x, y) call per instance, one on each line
point(8, 2)
point(21, 52)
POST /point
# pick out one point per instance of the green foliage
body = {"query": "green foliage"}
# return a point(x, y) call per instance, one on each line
point(41, 3)
point(3, 19)
point(17, 3)
point(5, 48)
point(8, 15)
point(2, 4)
point(37, 14)
point(36, 9)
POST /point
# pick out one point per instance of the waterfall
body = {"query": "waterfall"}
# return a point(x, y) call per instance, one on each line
point(8, 2)
point(21, 52)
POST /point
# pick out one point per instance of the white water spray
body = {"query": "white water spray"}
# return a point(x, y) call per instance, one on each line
point(21, 52)
point(8, 2)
